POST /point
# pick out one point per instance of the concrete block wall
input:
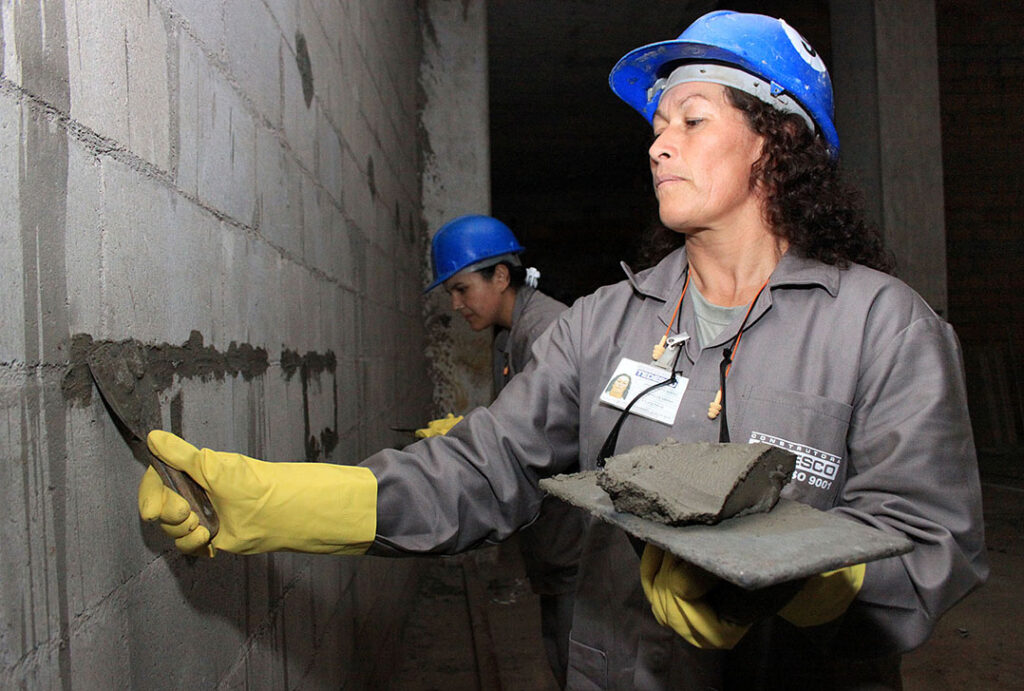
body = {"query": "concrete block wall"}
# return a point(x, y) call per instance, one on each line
point(235, 186)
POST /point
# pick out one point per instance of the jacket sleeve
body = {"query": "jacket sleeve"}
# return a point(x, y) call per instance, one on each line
point(479, 483)
point(913, 470)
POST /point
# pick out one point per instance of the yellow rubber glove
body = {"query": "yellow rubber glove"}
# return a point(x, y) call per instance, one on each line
point(436, 428)
point(321, 508)
point(824, 597)
point(676, 590)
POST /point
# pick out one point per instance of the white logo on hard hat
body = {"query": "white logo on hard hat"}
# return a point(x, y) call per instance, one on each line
point(804, 48)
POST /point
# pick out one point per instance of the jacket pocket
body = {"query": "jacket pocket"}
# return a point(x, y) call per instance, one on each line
point(812, 427)
point(588, 668)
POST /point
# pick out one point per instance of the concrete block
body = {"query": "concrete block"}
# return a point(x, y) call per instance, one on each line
point(289, 16)
point(320, 45)
point(286, 425)
point(256, 52)
point(192, 75)
point(98, 67)
point(195, 606)
point(217, 138)
point(205, 412)
point(293, 329)
point(159, 261)
point(331, 318)
point(239, 267)
point(300, 120)
point(346, 379)
point(149, 109)
point(12, 253)
point(360, 132)
point(311, 287)
point(263, 663)
point(315, 248)
point(118, 75)
point(278, 192)
point(357, 201)
point(102, 635)
point(353, 245)
point(242, 297)
point(338, 245)
point(203, 21)
point(329, 153)
point(349, 309)
point(102, 479)
point(388, 236)
point(297, 616)
point(344, 95)
point(382, 281)
point(18, 493)
point(35, 527)
point(83, 241)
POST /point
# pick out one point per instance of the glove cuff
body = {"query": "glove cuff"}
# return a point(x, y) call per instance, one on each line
point(354, 513)
point(318, 508)
point(341, 509)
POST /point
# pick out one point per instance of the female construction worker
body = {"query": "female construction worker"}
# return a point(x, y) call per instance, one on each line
point(476, 259)
point(776, 317)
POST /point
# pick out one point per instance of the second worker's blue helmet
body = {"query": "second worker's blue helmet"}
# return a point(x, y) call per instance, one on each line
point(470, 242)
point(759, 55)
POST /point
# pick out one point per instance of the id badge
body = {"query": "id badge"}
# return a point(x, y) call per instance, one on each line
point(632, 378)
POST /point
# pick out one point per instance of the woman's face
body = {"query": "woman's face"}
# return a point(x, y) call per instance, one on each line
point(476, 298)
point(701, 160)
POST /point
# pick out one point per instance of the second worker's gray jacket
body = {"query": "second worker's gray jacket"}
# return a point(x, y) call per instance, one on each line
point(849, 367)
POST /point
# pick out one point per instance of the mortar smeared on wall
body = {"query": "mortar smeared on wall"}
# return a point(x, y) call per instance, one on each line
point(310, 366)
point(194, 360)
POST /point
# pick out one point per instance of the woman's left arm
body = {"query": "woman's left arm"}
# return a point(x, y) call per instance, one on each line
point(913, 470)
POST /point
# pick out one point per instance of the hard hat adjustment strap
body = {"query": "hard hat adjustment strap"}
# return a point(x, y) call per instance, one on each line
point(765, 90)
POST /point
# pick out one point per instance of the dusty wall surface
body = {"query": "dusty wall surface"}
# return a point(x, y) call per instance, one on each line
point(236, 186)
point(456, 181)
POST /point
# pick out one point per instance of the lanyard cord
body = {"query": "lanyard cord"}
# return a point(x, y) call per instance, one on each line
point(659, 349)
point(718, 405)
point(608, 448)
point(715, 408)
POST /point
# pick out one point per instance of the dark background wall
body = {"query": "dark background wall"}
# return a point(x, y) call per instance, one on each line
point(981, 68)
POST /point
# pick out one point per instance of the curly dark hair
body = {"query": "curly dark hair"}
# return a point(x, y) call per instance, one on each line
point(808, 202)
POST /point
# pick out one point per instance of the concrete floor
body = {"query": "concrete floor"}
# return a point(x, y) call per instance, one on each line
point(476, 623)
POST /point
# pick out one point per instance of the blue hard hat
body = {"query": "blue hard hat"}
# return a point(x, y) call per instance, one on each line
point(767, 48)
point(472, 241)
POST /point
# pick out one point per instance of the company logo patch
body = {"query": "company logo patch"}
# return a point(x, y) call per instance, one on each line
point(813, 467)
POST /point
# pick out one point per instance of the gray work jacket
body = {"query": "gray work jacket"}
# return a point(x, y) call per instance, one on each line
point(849, 365)
point(550, 545)
point(532, 314)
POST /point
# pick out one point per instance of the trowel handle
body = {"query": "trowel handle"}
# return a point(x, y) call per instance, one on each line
point(182, 483)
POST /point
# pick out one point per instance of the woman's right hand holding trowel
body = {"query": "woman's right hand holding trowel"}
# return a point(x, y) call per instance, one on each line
point(321, 508)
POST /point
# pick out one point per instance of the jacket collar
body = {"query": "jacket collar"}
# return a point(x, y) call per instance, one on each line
point(666, 277)
point(664, 281)
point(523, 295)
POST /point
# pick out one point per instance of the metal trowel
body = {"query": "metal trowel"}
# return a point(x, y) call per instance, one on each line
point(119, 370)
